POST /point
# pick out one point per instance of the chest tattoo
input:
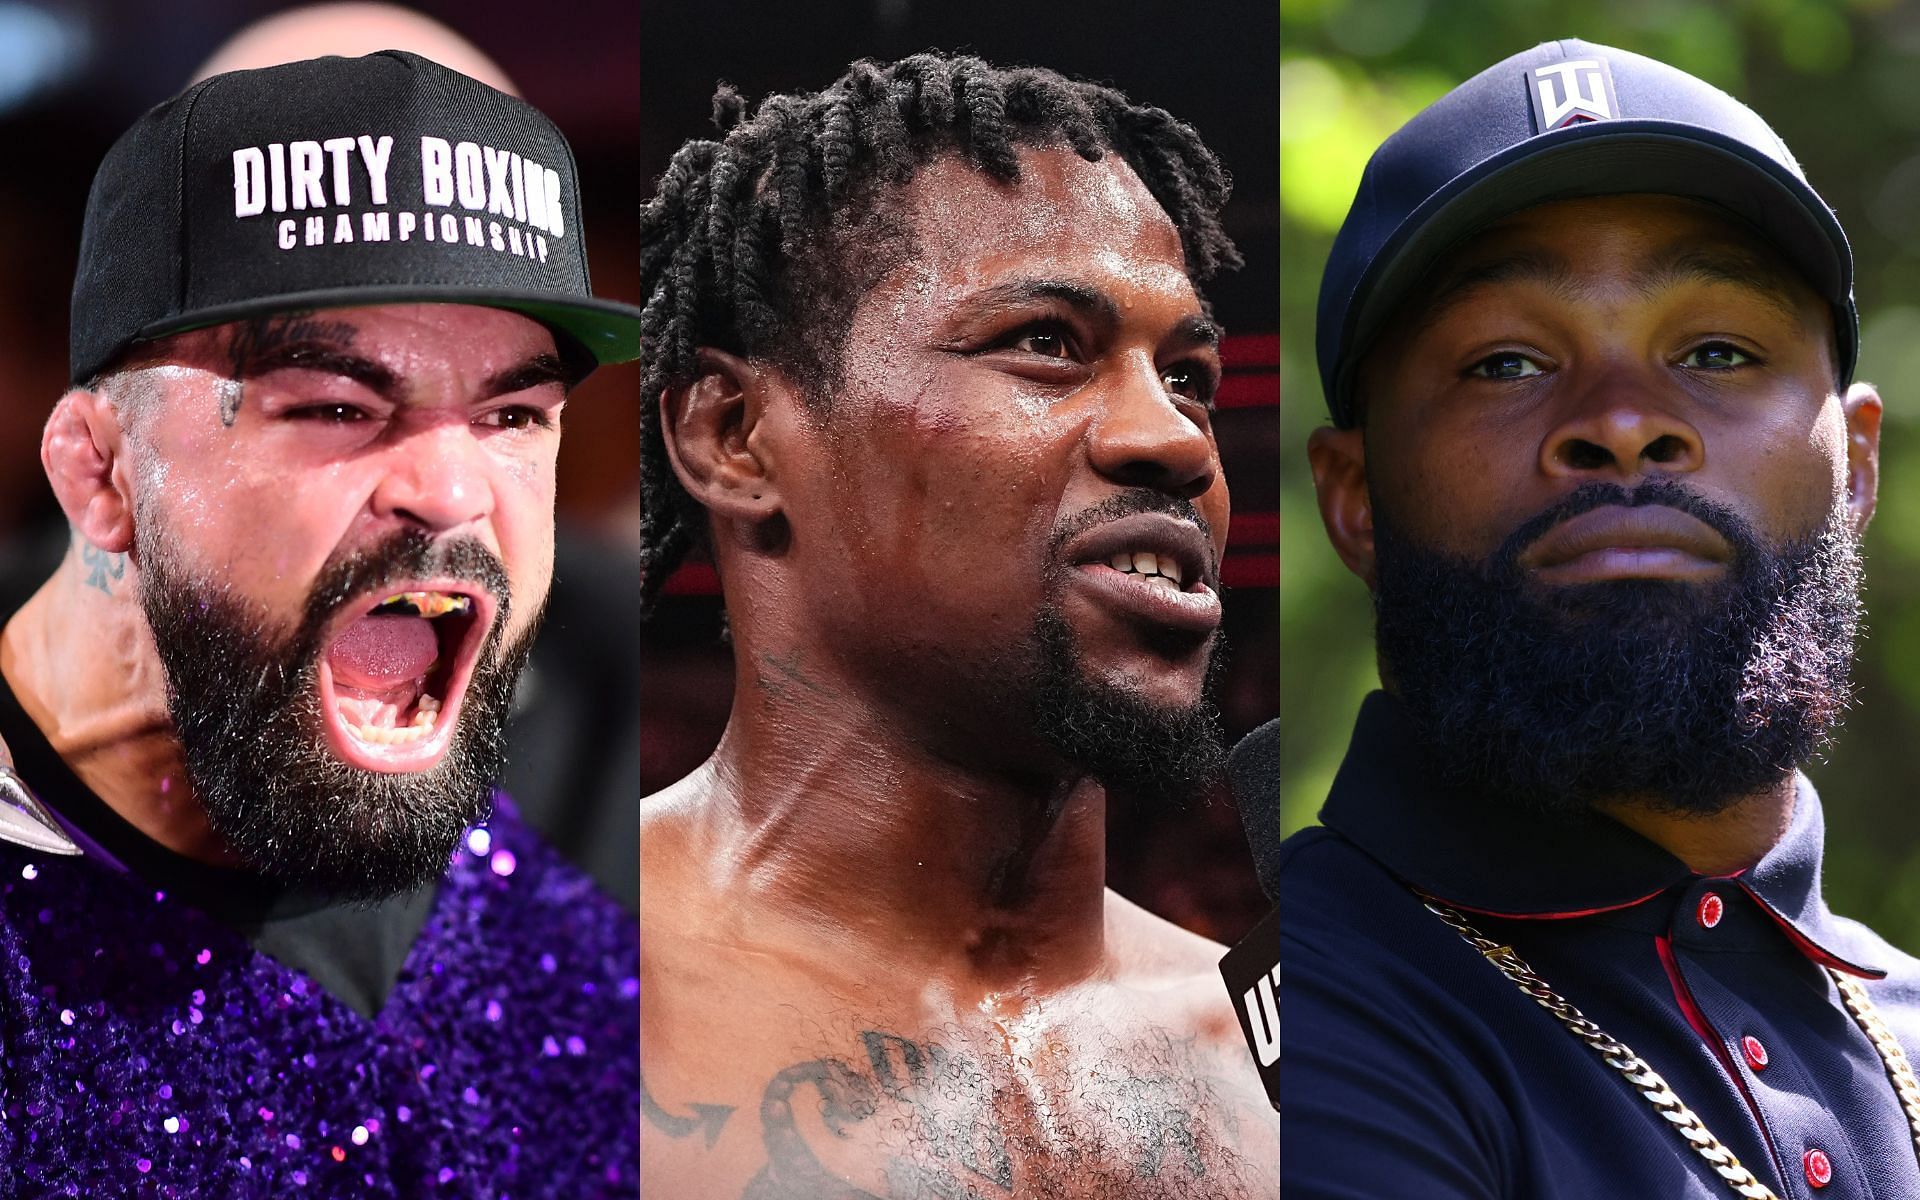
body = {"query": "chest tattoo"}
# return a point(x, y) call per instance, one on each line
point(917, 1119)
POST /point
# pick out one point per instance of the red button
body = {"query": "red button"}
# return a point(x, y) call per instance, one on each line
point(1710, 909)
point(1819, 1168)
point(1756, 1053)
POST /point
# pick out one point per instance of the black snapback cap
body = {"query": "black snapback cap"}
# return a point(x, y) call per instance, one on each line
point(1565, 119)
point(333, 182)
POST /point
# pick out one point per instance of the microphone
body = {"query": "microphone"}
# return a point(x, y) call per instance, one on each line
point(1253, 771)
point(1252, 968)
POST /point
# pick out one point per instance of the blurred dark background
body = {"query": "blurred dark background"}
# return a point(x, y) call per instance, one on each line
point(1212, 66)
point(1840, 81)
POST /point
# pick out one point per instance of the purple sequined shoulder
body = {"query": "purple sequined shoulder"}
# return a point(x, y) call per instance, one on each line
point(148, 1051)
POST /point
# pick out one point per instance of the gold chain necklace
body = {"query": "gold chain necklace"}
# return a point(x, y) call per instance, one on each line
point(1648, 1082)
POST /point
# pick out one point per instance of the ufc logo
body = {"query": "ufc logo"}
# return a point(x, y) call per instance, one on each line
point(1263, 1017)
point(1567, 93)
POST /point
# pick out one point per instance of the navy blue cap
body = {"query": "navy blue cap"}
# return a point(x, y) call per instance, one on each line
point(1564, 119)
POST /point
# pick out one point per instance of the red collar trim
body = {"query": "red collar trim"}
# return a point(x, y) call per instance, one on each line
point(1565, 915)
point(1801, 942)
point(1807, 945)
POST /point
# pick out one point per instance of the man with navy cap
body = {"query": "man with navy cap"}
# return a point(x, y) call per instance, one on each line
point(1587, 338)
point(269, 929)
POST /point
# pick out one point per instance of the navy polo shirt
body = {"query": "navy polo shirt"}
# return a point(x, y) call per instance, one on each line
point(1410, 1067)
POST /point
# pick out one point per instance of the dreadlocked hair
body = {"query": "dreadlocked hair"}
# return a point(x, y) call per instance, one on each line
point(762, 243)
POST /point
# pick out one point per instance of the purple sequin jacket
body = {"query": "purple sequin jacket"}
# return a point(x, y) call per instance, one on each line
point(147, 1050)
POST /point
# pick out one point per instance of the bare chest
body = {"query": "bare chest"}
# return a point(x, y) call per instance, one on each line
point(818, 1106)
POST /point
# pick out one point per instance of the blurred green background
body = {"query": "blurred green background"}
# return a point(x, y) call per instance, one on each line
point(1840, 81)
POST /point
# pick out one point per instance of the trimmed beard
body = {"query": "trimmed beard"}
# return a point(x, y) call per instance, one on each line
point(1684, 697)
point(246, 707)
point(1138, 750)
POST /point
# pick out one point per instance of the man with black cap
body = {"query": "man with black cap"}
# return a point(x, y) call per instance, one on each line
point(1587, 337)
point(269, 927)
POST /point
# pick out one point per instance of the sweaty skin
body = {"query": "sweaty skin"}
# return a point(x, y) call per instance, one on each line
point(878, 956)
point(1613, 339)
point(263, 459)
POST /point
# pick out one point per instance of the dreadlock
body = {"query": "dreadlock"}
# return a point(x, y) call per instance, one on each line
point(762, 244)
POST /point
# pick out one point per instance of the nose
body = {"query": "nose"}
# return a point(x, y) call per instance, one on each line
point(1622, 427)
point(437, 479)
point(1142, 438)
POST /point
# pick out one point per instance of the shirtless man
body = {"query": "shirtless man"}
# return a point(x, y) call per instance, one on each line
point(929, 380)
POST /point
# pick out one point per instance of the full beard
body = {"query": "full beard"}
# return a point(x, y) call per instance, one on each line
point(1682, 697)
point(245, 705)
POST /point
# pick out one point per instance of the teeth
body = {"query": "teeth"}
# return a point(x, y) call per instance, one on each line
point(1163, 582)
point(379, 723)
point(1148, 565)
point(429, 604)
point(399, 735)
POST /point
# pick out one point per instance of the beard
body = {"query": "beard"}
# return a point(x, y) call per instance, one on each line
point(1679, 696)
point(246, 707)
point(1138, 749)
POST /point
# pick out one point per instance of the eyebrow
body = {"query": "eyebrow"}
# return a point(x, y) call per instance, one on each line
point(1089, 302)
point(1733, 265)
point(322, 357)
point(1197, 330)
point(537, 371)
point(1524, 266)
point(1093, 304)
point(1664, 269)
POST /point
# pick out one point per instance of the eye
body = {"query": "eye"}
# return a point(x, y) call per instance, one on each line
point(519, 416)
point(1048, 339)
point(1717, 356)
point(329, 414)
point(1192, 381)
point(1047, 345)
point(1505, 365)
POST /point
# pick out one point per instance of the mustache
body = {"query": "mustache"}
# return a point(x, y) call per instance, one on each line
point(406, 554)
point(1665, 493)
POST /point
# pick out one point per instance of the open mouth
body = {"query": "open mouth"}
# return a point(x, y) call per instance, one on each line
point(394, 674)
point(1153, 569)
point(1149, 567)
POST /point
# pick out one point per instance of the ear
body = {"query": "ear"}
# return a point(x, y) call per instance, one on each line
point(718, 439)
point(1339, 461)
point(1862, 408)
point(82, 450)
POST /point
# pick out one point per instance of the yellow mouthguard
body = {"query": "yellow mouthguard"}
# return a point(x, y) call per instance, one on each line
point(432, 604)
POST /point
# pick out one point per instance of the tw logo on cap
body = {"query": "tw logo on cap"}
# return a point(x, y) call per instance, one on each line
point(1571, 93)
